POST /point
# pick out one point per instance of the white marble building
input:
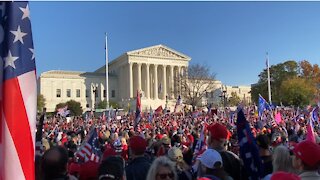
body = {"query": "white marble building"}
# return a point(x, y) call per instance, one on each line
point(153, 70)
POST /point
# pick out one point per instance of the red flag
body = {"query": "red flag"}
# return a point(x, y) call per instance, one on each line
point(158, 110)
point(18, 93)
point(310, 132)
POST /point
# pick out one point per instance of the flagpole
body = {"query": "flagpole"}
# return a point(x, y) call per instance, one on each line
point(269, 86)
point(107, 73)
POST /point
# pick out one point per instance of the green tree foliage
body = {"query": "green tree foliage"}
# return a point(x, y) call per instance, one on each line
point(297, 92)
point(60, 105)
point(114, 105)
point(41, 102)
point(234, 100)
point(284, 73)
point(74, 107)
point(102, 104)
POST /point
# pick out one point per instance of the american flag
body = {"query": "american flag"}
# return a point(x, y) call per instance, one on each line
point(200, 146)
point(248, 148)
point(63, 111)
point(90, 149)
point(18, 92)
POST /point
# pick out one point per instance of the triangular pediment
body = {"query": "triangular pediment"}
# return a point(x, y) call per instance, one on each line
point(159, 51)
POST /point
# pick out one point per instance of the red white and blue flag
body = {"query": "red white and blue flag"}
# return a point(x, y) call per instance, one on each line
point(63, 111)
point(200, 146)
point(18, 92)
point(90, 150)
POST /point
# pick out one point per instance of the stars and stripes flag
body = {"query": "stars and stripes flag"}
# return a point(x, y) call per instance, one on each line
point(200, 146)
point(63, 111)
point(249, 152)
point(90, 149)
point(18, 92)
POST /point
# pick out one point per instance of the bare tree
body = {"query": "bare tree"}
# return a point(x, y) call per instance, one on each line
point(195, 83)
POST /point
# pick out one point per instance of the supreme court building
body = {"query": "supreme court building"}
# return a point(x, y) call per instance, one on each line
point(152, 70)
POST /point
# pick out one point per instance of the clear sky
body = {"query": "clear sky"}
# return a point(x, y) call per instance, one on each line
point(230, 37)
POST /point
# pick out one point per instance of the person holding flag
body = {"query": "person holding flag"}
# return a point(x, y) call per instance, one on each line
point(138, 110)
point(249, 152)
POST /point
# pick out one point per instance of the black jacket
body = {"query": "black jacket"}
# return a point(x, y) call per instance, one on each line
point(138, 169)
point(232, 165)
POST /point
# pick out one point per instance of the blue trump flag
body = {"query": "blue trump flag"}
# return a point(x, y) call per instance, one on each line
point(249, 152)
point(262, 105)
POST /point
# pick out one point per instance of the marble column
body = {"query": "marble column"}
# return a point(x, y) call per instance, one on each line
point(155, 86)
point(148, 82)
point(130, 81)
point(171, 83)
point(164, 84)
point(139, 77)
point(180, 79)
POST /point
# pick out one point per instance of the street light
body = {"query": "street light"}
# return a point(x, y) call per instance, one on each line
point(94, 88)
point(223, 96)
point(166, 102)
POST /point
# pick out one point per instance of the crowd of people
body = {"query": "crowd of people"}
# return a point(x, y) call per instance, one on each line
point(177, 146)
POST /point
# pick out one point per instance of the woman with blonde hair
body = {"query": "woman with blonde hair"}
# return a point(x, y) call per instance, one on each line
point(281, 159)
point(162, 168)
point(182, 168)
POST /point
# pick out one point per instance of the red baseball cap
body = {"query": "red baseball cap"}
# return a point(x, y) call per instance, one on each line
point(280, 175)
point(109, 152)
point(137, 144)
point(89, 170)
point(308, 152)
point(218, 131)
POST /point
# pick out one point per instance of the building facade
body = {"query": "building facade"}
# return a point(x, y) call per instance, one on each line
point(152, 70)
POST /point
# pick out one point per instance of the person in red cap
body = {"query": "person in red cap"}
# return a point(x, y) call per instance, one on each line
point(307, 160)
point(280, 175)
point(217, 140)
point(89, 170)
point(139, 165)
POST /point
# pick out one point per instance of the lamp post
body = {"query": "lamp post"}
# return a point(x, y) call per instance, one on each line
point(166, 101)
point(223, 96)
point(94, 88)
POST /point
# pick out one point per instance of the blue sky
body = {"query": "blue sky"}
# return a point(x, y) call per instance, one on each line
point(231, 38)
